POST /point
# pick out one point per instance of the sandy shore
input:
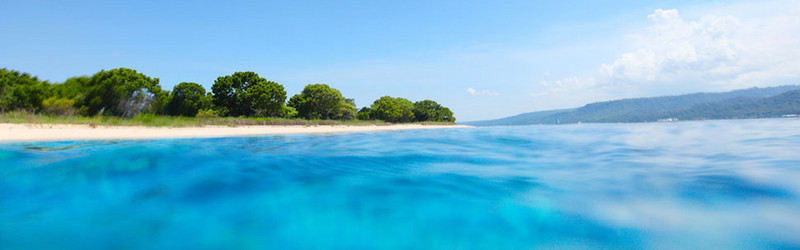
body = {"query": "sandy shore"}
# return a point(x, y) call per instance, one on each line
point(58, 132)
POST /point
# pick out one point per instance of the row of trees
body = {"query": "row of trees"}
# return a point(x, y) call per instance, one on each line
point(393, 109)
point(125, 93)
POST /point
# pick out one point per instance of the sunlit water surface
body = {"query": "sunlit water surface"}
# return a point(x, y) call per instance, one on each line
point(712, 184)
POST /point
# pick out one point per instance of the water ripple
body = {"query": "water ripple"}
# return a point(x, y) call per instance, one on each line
point(711, 184)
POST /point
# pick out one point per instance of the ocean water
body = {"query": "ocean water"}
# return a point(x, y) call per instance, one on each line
point(685, 185)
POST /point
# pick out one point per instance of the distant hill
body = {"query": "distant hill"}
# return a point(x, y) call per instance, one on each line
point(742, 108)
point(746, 103)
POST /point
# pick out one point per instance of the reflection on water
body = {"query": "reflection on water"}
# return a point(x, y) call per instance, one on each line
point(712, 184)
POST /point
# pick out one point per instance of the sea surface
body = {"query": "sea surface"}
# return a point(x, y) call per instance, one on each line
point(684, 185)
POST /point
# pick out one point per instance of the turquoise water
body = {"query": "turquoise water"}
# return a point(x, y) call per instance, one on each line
point(711, 184)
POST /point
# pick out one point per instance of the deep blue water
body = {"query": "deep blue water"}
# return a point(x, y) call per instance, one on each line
point(711, 184)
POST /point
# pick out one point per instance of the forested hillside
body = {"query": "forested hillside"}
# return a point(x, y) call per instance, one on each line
point(746, 103)
point(739, 108)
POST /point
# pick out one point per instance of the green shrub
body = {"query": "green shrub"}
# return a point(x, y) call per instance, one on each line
point(59, 106)
point(288, 112)
point(207, 113)
point(363, 114)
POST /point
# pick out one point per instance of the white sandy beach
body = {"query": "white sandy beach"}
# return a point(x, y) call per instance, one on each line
point(59, 132)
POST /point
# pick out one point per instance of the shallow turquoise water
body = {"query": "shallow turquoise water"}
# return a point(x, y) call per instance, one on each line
point(712, 184)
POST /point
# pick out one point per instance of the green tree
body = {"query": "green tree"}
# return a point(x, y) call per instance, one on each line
point(123, 92)
point(21, 91)
point(187, 98)
point(428, 110)
point(298, 103)
point(320, 101)
point(363, 114)
point(392, 109)
point(159, 104)
point(266, 99)
point(247, 94)
point(74, 88)
point(346, 111)
point(445, 115)
point(350, 101)
point(288, 112)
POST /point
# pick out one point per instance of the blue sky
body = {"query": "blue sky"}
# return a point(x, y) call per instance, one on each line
point(483, 59)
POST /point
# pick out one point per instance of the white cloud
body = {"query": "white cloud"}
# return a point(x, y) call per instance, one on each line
point(673, 49)
point(720, 50)
point(474, 92)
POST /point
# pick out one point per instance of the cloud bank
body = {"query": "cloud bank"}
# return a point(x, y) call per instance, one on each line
point(674, 55)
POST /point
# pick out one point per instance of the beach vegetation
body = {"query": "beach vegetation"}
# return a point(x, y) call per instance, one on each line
point(247, 94)
point(74, 88)
point(21, 91)
point(59, 106)
point(124, 96)
point(123, 92)
point(346, 112)
point(207, 113)
point(288, 112)
point(187, 98)
point(395, 109)
point(320, 101)
point(363, 114)
point(155, 120)
point(392, 109)
point(428, 110)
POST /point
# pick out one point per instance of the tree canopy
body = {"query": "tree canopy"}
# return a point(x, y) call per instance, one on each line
point(320, 101)
point(363, 114)
point(126, 93)
point(123, 92)
point(266, 99)
point(74, 88)
point(428, 110)
point(392, 109)
point(187, 98)
point(247, 94)
point(21, 91)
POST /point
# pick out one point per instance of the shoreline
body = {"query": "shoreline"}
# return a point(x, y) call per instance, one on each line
point(12, 132)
